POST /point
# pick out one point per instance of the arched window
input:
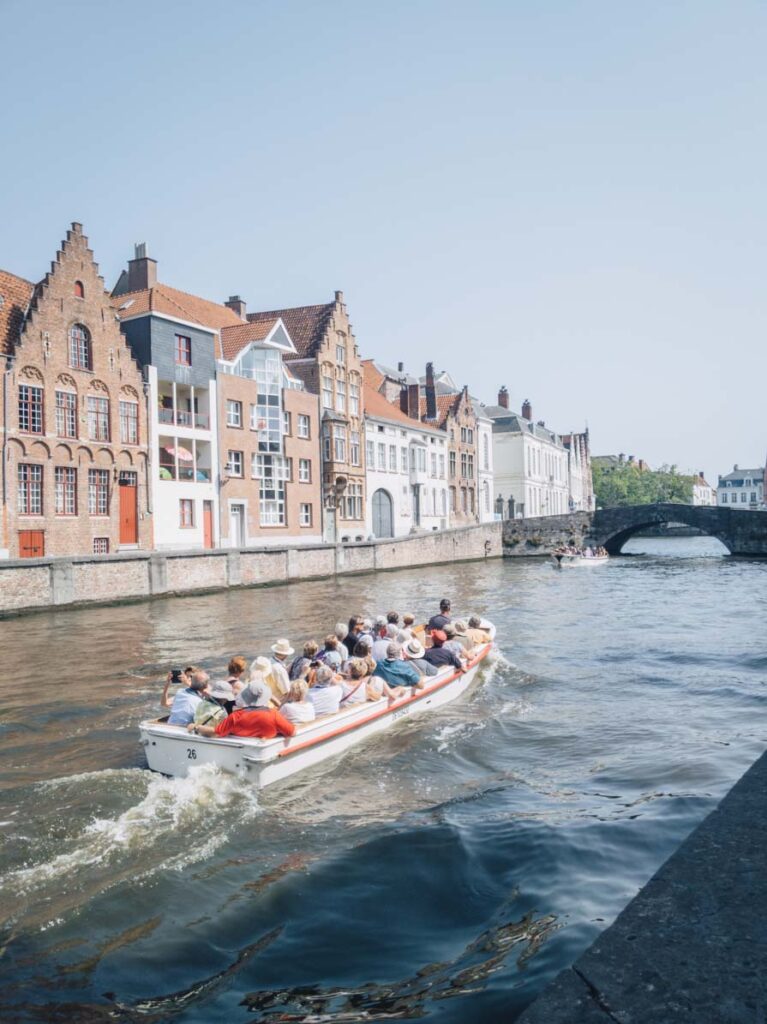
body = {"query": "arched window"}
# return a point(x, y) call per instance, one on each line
point(80, 354)
point(79, 290)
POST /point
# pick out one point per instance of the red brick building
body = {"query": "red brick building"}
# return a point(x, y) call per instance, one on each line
point(72, 415)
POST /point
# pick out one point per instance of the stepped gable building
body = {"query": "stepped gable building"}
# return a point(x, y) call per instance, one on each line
point(74, 424)
point(327, 360)
point(580, 482)
point(174, 336)
point(271, 487)
point(405, 459)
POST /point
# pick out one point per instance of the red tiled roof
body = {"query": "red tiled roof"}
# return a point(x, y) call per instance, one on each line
point(372, 376)
point(161, 298)
point(446, 404)
point(236, 337)
point(15, 295)
point(377, 405)
point(306, 325)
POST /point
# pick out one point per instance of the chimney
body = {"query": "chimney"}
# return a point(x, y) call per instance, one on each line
point(621, 457)
point(503, 398)
point(700, 474)
point(413, 401)
point(234, 302)
point(527, 409)
point(541, 423)
point(400, 367)
point(340, 297)
point(142, 271)
point(431, 393)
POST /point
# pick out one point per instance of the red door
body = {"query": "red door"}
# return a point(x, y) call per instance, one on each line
point(207, 524)
point(31, 543)
point(128, 508)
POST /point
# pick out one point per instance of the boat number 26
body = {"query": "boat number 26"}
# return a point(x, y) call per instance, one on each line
point(191, 754)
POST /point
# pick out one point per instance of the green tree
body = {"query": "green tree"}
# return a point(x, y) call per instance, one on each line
point(627, 484)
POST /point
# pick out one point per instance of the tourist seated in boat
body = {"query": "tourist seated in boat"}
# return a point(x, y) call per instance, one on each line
point(363, 651)
point(299, 667)
point(414, 652)
point(255, 718)
point(440, 655)
point(184, 704)
point(356, 629)
point(216, 704)
point(453, 643)
point(475, 633)
point(392, 618)
point(330, 655)
point(395, 671)
point(441, 620)
point(281, 651)
point(408, 622)
point(381, 644)
point(236, 669)
point(297, 707)
point(355, 690)
point(462, 636)
point(326, 691)
point(342, 633)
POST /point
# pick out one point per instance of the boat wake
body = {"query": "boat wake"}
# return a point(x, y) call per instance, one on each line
point(177, 822)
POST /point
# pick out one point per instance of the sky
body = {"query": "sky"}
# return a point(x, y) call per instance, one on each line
point(567, 198)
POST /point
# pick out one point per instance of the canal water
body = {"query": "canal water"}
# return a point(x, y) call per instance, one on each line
point(445, 871)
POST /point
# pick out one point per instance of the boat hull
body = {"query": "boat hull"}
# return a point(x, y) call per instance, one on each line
point(576, 561)
point(173, 751)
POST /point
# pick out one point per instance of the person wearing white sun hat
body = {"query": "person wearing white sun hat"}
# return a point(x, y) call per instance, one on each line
point(280, 651)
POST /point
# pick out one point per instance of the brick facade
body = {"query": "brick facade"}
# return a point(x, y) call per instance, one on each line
point(463, 461)
point(75, 425)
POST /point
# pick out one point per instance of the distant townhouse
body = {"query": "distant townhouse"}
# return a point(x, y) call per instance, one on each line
point(174, 337)
point(742, 489)
point(271, 489)
point(702, 492)
point(327, 360)
point(530, 463)
point(405, 459)
point(74, 419)
point(579, 477)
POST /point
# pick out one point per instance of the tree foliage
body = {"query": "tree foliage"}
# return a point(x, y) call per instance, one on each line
point(627, 484)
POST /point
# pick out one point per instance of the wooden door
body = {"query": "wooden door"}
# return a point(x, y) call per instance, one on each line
point(207, 524)
point(383, 518)
point(31, 543)
point(128, 508)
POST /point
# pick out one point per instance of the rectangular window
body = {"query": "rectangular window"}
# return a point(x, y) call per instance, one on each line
point(382, 456)
point(403, 460)
point(234, 463)
point(340, 395)
point(370, 454)
point(743, 497)
point(351, 503)
point(463, 465)
point(442, 466)
point(183, 350)
point(101, 545)
point(304, 425)
point(128, 423)
point(452, 499)
point(326, 444)
point(724, 499)
point(469, 435)
point(98, 418)
point(287, 424)
point(463, 435)
point(327, 392)
point(305, 515)
point(354, 399)
point(234, 413)
point(30, 498)
point(452, 465)
point(186, 513)
point(354, 448)
point(433, 463)
point(340, 354)
point(393, 458)
point(65, 492)
point(304, 471)
point(470, 467)
point(66, 414)
point(30, 409)
point(98, 492)
point(339, 444)
point(273, 471)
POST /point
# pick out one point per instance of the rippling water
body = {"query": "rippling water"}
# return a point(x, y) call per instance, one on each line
point(444, 871)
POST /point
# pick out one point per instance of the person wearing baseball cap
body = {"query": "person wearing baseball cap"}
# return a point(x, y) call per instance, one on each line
point(439, 655)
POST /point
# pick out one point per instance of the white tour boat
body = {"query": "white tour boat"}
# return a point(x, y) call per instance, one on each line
point(564, 561)
point(172, 750)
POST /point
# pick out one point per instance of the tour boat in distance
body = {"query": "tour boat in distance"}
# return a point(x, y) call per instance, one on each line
point(565, 561)
point(172, 750)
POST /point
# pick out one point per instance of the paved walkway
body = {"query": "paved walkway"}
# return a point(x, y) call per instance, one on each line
point(692, 945)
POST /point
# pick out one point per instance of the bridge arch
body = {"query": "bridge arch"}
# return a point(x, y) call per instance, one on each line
point(612, 527)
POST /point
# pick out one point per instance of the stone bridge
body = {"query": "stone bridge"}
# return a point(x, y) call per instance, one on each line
point(741, 532)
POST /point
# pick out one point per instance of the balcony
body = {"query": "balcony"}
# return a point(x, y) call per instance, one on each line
point(182, 418)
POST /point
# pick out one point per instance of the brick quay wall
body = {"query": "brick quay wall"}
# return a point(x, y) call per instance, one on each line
point(28, 584)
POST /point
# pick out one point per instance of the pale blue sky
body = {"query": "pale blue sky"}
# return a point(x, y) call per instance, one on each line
point(568, 198)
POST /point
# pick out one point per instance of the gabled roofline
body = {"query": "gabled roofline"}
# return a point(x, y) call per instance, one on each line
point(263, 341)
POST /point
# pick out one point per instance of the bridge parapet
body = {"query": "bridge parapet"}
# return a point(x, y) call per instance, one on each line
point(741, 532)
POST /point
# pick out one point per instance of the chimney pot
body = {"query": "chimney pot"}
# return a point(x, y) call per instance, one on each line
point(142, 270)
point(400, 367)
point(238, 305)
point(503, 397)
point(431, 393)
point(527, 410)
point(339, 296)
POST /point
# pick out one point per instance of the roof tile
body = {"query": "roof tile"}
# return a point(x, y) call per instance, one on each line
point(15, 295)
point(306, 325)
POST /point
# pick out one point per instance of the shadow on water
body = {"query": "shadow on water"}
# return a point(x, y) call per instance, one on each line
point(446, 870)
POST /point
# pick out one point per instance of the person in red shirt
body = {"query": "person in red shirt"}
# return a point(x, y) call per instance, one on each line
point(256, 719)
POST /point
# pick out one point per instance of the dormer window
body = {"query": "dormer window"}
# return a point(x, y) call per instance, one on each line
point(79, 290)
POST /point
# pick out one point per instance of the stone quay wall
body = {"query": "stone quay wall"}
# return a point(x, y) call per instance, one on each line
point(34, 584)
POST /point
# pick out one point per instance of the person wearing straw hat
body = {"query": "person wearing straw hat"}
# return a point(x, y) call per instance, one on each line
point(281, 650)
point(414, 652)
point(215, 705)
